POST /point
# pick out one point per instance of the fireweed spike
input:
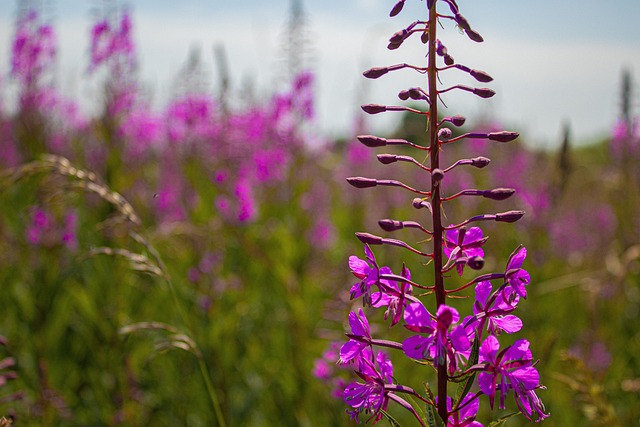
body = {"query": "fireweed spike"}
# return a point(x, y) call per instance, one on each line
point(457, 344)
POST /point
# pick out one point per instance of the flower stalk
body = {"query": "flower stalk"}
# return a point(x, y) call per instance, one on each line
point(462, 350)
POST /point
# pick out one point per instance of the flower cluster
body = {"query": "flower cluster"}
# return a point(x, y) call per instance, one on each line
point(464, 350)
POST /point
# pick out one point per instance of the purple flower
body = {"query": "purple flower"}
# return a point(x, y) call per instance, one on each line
point(359, 328)
point(517, 277)
point(463, 243)
point(436, 341)
point(494, 309)
point(369, 274)
point(465, 416)
point(370, 396)
point(393, 297)
point(511, 368)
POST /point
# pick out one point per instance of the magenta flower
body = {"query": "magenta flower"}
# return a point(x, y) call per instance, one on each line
point(436, 342)
point(369, 274)
point(494, 309)
point(370, 396)
point(463, 244)
point(33, 50)
point(517, 277)
point(465, 416)
point(359, 329)
point(393, 297)
point(511, 368)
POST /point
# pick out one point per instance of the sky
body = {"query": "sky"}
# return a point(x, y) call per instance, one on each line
point(553, 62)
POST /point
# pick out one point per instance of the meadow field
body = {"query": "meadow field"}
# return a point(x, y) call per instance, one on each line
point(189, 265)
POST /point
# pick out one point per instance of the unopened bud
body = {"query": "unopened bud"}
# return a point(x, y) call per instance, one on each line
point(360, 182)
point(444, 134)
point(390, 225)
point(424, 37)
point(441, 49)
point(375, 72)
point(419, 203)
point(448, 59)
point(369, 239)
point(480, 162)
point(474, 35)
point(504, 136)
point(374, 108)
point(510, 216)
point(414, 93)
point(498, 193)
point(458, 120)
point(393, 46)
point(475, 262)
point(483, 92)
point(403, 94)
point(481, 76)
point(397, 8)
point(437, 175)
point(387, 158)
point(372, 141)
point(462, 22)
point(398, 37)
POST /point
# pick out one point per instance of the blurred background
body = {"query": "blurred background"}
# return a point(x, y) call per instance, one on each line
point(176, 225)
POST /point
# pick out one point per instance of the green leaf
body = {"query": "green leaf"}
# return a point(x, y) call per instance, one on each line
point(416, 406)
point(502, 420)
point(433, 419)
point(464, 387)
point(389, 418)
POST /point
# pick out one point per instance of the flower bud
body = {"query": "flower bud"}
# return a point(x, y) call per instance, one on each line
point(474, 35)
point(397, 8)
point(387, 158)
point(498, 193)
point(444, 134)
point(390, 225)
point(437, 175)
point(510, 216)
point(372, 141)
point(360, 182)
point(393, 46)
point(475, 262)
point(369, 239)
point(448, 59)
point(483, 92)
point(424, 37)
point(441, 49)
point(462, 22)
point(403, 94)
point(399, 36)
point(481, 76)
point(375, 72)
point(414, 93)
point(419, 203)
point(504, 136)
point(480, 162)
point(374, 108)
point(458, 120)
